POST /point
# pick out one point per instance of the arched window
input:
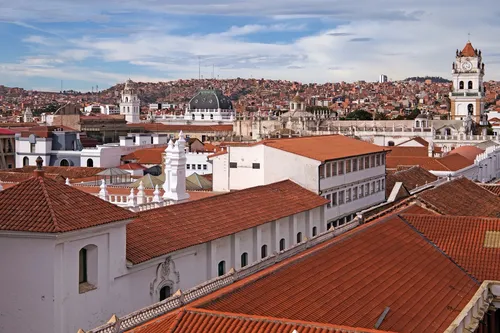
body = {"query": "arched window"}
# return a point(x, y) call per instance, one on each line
point(90, 163)
point(417, 123)
point(461, 85)
point(470, 109)
point(244, 259)
point(126, 99)
point(447, 131)
point(299, 237)
point(165, 293)
point(222, 268)
point(211, 117)
point(282, 244)
point(192, 116)
point(469, 85)
point(263, 251)
point(26, 161)
point(87, 270)
point(315, 231)
point(128, 109)
point(64, 163)
point(390, 143)
point(202, 116)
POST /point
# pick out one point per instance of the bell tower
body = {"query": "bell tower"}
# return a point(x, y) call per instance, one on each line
point(467, 95)
point(130, 103)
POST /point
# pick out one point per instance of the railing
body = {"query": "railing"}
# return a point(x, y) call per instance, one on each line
point(180, 298)
point(467, 137)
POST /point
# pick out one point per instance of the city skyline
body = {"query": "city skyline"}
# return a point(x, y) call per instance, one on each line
point(105, 42)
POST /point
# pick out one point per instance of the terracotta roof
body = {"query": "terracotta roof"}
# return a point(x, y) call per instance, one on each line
point(146, 155)
point(160, 231)
point(324, 147)
point(463, 239)
point(6, 176)
point(417, 139)
point(66, 172)
point(448, 163)
point(131, 166)
point(199, 320)
point(351, 282)
point(44, 205)
point(411, 178)
point(469, 152)
point(408, 151)
point(462, 197)
point(468, 51)
point(493, 188)
point(4, 131)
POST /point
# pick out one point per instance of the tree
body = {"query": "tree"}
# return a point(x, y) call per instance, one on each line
point(413, 114)
point(359, 115)
point(380, 116)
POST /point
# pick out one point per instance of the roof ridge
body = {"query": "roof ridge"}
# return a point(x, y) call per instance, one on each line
point(421, 234)
point(49, 202)
point(177, 321)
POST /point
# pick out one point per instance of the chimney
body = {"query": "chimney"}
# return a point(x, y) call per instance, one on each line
point(39, 172)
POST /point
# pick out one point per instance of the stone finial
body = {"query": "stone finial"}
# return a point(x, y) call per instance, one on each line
point(67, 182)
point(141, 195)
point(181, 136)
point(103, 193)
point(132, 200)
point(156, 194)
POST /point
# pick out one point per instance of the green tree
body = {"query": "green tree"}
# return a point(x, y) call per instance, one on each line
point(413, 114)
point(359, 115)
point(380, 116)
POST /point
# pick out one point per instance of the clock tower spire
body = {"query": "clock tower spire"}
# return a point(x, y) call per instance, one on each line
point(467, 95)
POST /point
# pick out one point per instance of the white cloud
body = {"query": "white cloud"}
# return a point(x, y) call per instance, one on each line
point(396, 38)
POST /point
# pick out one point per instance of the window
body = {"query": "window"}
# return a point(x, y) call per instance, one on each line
point(233, 165)
point(469, 85)
point(329, 198)
point(188, 166)
point(64, 163)
point(193, 166)
point(315, 231)
point(367, 162)
point(361, 191)
point(347, 166)
point(328, 168)
point(204, 167)
point(90, 163)
point(355, 165)
point(390, 143)
point(382, 159)
point(255, 165)
point(373, 187)
point(199, 166)
point(355, 193)
point(382, 182)
point(361, 165)
point(378, 185)
point(341, 167)
point(299, 237)
point(244, 259)
point(32, 147)
point(348, 195)
point(334, 168)
point(377, 158)
point(372, 163)
point(282, 244)
point(87, 268)
point(165, 293)
point(461, 85)
point(321, 171)
point(341, 197)
point(334, 199)
point(211, 117)
point(26, 161)
point(221, 269)
point(202, 116)
point(367, 189)
point(263, 251)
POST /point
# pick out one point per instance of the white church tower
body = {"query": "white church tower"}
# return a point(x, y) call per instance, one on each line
point(28, 116)
point(175, 171)
point(130, 103)
point(467, 96)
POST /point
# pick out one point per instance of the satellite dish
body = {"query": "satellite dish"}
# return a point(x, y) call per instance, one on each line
point(32, 138)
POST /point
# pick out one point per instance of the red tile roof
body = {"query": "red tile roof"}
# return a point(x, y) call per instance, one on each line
point(354, 278)
point(462, 197)
point(191, 320)
point(158, 127)
point(324, 147)
point(463, 239)
point(469, 152)
point(493, 188)
point(411, 178)
point(17, 177)
point(146, 155)
point(66, 172)
point(44, 205)
point(131, 166)
point(468, 51)
point(448, 163)
point(4, 131)
point(408, 151)
point(160, 231)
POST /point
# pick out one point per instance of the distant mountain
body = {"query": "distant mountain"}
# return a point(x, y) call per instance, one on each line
point(434, 79)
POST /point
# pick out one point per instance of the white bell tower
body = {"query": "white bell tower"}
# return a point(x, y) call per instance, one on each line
point(130, 104)
point(467, 96)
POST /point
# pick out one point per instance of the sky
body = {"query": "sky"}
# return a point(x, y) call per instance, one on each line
point(89, 43)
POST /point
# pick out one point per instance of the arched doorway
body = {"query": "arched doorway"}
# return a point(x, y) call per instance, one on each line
point(26, 161)
point(90, 163)
point(165, 293)
point(64, 163)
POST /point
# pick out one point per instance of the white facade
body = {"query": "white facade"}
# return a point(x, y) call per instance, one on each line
point(244, 167)
point(43, 279)
point(130, 104)
point(28, 116)
point(107, 109)
point(198, 163)
point(382, 78)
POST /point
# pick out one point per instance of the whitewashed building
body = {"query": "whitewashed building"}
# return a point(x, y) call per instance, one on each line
point(74, 263)
point(130, 104)
point(350, 173)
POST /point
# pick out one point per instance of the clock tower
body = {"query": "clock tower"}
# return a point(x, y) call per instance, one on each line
point(467, 95)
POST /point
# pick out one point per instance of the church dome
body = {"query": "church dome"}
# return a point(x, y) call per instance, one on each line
point(210, 99)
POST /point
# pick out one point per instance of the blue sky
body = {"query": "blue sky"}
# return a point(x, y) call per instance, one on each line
point(91, 42)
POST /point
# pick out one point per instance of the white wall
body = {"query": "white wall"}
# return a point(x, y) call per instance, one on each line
point(244, 176)
point(198, 162)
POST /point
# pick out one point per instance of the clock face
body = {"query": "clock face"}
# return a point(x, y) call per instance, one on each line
point(467, 66)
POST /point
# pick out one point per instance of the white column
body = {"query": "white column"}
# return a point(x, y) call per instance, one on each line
point(132, 200)
point(103, 193)
point(167, 169)
point(156, 194)
point(141, 196)
point(177, 179)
